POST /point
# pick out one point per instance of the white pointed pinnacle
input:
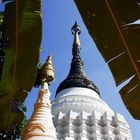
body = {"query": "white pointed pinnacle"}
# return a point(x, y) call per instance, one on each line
point(40, 125)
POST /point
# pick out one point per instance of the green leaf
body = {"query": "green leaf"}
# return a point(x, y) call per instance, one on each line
point(23, 27)
point(108, 22)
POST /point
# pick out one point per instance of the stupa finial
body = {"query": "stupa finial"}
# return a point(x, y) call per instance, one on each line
point(75, 29)
point(47, 70)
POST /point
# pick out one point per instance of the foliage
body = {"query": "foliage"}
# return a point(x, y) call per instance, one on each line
point(109, 24)
point(38, 75)
point(3, 44)
point(23, 28)
point(22, 125)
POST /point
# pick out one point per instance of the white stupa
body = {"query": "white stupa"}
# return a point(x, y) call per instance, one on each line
point(40, 125)
point(78, 111)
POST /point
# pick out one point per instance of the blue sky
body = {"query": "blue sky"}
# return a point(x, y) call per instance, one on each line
point(58, 18)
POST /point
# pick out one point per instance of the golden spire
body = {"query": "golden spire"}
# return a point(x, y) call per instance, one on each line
point(47, 70)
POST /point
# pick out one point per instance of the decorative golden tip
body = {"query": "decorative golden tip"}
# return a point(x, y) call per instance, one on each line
point(76, 31)
point(76, 40)
point(47, 70)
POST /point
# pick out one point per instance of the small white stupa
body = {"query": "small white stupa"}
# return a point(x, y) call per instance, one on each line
point(40, 125)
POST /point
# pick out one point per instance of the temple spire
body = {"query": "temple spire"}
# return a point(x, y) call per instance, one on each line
point(76, 76)
point(77, 63)
point(40, 125)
